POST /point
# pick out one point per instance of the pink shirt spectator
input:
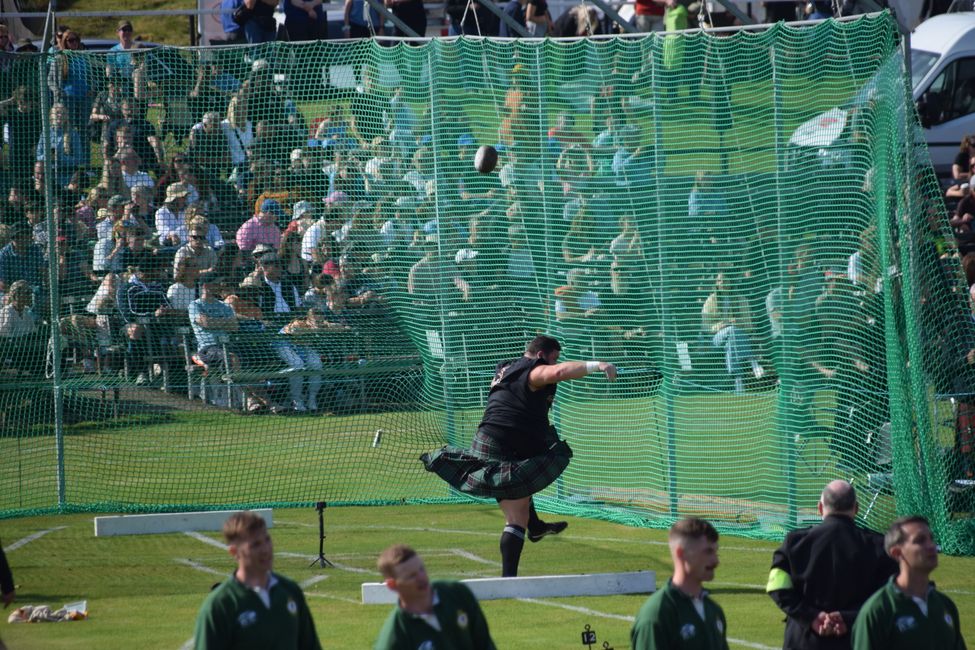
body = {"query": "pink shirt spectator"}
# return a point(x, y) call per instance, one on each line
point(254, 232)
point(261, 228)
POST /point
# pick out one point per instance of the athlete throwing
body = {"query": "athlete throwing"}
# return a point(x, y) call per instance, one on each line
point(516, 452)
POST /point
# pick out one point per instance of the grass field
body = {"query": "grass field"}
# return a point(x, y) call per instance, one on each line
point(145, 591)
point(729, 461)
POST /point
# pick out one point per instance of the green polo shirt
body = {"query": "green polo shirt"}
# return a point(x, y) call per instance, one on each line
point(670, 621)
point(234, 616)
point(462, 623)
point(891, 620)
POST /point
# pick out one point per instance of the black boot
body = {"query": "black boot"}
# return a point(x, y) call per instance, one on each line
point(537, 529)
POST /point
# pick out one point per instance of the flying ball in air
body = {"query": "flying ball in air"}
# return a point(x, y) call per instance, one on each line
point(485, 159)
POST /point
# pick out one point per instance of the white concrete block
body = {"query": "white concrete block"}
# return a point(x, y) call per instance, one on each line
point(168, 522)
point(594, 584)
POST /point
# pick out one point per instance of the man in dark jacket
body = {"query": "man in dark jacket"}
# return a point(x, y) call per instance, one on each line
point(822, 575)
point(279, 295)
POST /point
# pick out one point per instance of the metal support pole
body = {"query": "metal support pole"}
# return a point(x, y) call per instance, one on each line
point(52, 263)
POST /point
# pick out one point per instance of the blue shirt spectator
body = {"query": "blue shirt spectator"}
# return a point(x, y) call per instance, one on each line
point(119, 61)
point(230, 28)
point(67, 146)
point(211, 309)
point(21, 259)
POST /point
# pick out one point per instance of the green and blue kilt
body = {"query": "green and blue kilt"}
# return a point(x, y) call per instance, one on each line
point(488, 470)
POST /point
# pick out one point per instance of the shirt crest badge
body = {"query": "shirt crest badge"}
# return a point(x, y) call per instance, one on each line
point(687, 631)
point(247, 618)
point(905, 623)
point(462, 619)
point(292, 607)
point(949, 620)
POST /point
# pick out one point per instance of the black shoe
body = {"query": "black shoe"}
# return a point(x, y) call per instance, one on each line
point(553, 528)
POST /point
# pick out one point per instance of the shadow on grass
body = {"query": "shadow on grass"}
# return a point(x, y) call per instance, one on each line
point(31, 412)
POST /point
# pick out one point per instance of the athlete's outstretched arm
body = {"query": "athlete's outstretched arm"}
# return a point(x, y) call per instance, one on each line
point(553, 374)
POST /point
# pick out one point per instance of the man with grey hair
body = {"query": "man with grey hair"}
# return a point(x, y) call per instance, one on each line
point(822, 575)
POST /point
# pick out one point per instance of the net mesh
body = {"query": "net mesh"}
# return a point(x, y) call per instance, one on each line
point(746, 224)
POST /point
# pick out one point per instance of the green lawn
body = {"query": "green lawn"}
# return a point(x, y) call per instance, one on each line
point(144, 591)
point(171, 30)
point(728, 464)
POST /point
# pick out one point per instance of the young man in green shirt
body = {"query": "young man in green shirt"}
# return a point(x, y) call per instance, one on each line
point(682, 616)
point(439, 615)
point(254, 608)
point(909, 613)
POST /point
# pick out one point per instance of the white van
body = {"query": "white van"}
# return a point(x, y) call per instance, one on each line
point(943, 76)
point(943, 84)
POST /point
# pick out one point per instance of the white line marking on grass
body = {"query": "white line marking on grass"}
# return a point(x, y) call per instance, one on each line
point(421, 529)
point(651, 542)
point(303, 556)
point(353, 569)
point(30, 538)
point(739, 585)
point(750, 644)
point(582, 538)
point(576, 608)
point(314, 558)
point(199, 566)
point(467, 555)
point(313, 580)
point(206, 540)
point(629, 619)
point(296, 523)
point(300, 556)
point(188, 645)
point(957, 591)
point(318, 594)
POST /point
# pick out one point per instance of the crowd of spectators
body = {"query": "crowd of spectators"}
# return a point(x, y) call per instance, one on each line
point(324, 219)
point(243, 199)
point(295, 221)
point(253, 21)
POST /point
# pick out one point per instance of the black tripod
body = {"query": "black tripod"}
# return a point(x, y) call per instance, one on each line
point(321, 560)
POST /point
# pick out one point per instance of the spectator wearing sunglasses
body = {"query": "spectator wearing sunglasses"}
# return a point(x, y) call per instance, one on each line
point(196, 252)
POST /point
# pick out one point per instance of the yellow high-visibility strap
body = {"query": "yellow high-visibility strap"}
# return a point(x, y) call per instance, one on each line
point(778, 579)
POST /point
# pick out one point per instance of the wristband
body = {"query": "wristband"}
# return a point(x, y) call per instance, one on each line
point(591, 367)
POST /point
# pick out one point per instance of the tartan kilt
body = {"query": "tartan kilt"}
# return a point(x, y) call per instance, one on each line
point(488, 470)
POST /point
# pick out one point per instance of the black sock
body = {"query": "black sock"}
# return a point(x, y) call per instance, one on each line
point(512, 541)
point(534, 522)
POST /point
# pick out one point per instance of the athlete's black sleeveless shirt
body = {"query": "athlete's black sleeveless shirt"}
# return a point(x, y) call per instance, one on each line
point(517, 416)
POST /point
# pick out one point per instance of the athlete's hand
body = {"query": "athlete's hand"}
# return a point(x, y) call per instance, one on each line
point(608, 369)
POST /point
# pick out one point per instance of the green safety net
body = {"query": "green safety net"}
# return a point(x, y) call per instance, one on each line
point(746, 223)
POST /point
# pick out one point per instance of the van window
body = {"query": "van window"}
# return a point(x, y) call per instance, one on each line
point(954, 90)
point(921, 63)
